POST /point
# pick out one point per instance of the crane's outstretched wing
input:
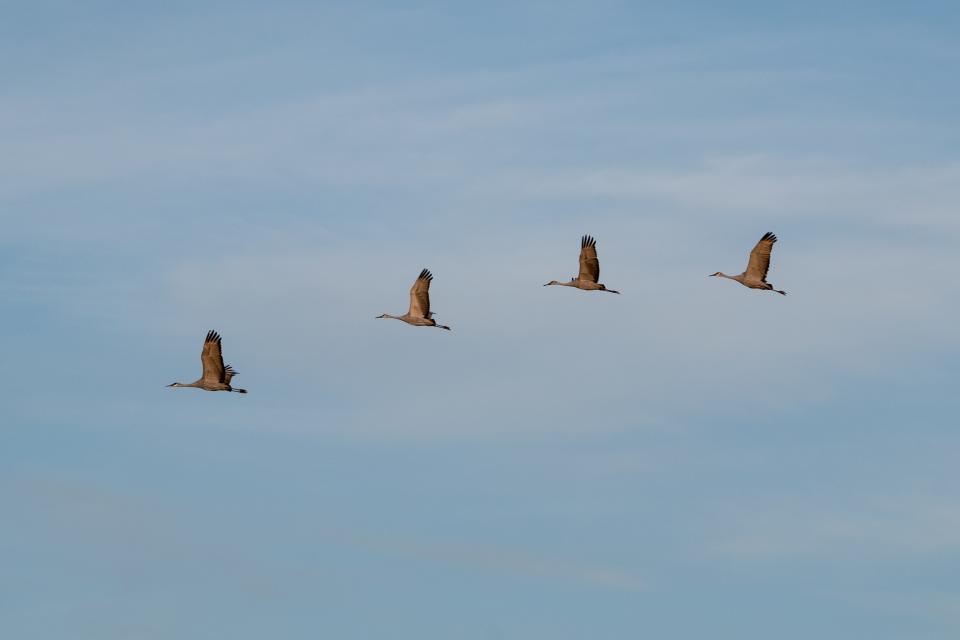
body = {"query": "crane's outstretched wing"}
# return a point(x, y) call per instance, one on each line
point(211, 358)
point(228, 373)
point(589, 264)
point(760, 258)
point(420, 295)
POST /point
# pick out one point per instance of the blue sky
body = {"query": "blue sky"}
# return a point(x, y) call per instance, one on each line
point(688, 459)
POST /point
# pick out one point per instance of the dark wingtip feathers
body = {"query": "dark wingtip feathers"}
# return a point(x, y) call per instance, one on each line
point(425, 275)
point(769, 236)
point(212, 336)
point(587, 241)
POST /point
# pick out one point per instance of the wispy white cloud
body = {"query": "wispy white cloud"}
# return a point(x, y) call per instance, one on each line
point(136, 530)
point(441, 125)
point(490, 559)
point(775, 188)
point(874, 527)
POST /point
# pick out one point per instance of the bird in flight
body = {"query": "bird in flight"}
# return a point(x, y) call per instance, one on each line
point(419, 313)
point(755, 276)
point(216, 376)
point(589, 269)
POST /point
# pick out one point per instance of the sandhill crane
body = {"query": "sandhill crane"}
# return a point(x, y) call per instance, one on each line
point(589, 269)
point(419, 313)
point(216, 376)
point(755, 276)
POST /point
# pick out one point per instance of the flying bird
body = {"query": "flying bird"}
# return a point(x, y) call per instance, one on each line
point(216, 376)
point(589, 269)
point(755, 276)
point(419, 313)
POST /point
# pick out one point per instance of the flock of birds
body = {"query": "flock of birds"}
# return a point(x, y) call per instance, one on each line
point(217, 376)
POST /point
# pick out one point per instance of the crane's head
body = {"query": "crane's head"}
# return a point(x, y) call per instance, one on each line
point(386, 315)
point(175, 384)
point(551, 282)
point(714, 274)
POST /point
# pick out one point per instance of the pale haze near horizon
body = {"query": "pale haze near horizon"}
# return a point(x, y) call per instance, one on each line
point(688, 459)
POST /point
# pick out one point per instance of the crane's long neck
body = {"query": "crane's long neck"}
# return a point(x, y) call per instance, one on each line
point(185, 384)
point(738, 278)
